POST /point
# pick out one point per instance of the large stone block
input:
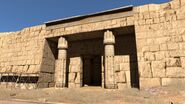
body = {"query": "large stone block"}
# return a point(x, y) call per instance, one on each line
point(145, 69)
point(128, 77)
point(75, 68)
point(149, 82)
point(173, 46)
point(154, 7)
point(144, 8)
point(122, 86)
point(175, 72)
point(75, 61)
point(125, 66)
point(121, 76)
point(158, 69)
point(175, 4)
point(172, 81)
point(149, 56)
point(160, 55)
point(72, 77)
point(154, 48)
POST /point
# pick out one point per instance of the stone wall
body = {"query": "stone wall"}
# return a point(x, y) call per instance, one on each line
point(122, 72)
point(160, 39)
point(160, 32)
point(21, 53)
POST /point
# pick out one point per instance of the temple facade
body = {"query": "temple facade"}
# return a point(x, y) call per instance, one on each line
point(127, 47)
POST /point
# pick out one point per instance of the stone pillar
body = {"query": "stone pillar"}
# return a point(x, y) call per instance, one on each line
point(109, 41)
point(60, 69)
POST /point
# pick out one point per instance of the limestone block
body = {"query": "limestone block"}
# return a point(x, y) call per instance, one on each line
point(117, 67)
point(175, 4)
point(154, 48)
point(122, 86)
point(176, 39)
point(121, 77)
point(149, 82)
point(149, 21)
point(32, 69)
point(145, 49)
point(75, 61)
point(173, 62)
point(182, 46)
point(177, 53)
point(150, 41)
point(43, 85)
point(163, 47)
point(181, 15)
point(149, 56)
point(162, 19)
point(154, 7)
point(145, 69)
point(78, 78)
point(125, 66)
point(172, 81)
point(175, 72)
point(75, 68)
point(45, 77)
point(72, 77)
point(130, 22)
point(156, 20)
point(160, 55)
point(128, 77)
point(146, 15)
point(15, 69)
point(144, 8)
point(182, 2)
point(173, 46)
point(158, 69)
point(162, 40)
point(71, 85)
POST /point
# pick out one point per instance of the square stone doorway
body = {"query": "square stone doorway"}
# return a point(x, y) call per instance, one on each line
point(92, 70)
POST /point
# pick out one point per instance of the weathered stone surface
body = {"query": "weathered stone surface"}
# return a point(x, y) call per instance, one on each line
point(173, 62)
point(149, 56)
point(149, 82)
point(173, 81)
point(128, 78)
point(175, 72)
point(122, 86)
point(158, 69)
point(145, 69)
point(121, 77)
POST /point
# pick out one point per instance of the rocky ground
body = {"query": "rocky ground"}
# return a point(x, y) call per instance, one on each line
point(92, 95)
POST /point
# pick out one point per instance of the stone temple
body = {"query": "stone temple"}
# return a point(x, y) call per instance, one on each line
point(140, 47)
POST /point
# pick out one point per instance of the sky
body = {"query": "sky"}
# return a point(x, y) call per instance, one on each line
point(18, 14)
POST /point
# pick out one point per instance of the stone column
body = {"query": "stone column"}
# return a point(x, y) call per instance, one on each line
point(109, 41)
point(60, 69)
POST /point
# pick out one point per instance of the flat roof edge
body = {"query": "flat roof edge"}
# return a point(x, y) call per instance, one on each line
point(73, 18)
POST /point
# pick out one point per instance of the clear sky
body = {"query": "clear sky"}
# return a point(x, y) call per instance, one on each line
point(17, 14)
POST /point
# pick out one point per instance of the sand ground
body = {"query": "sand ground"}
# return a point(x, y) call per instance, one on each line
point(94, 95)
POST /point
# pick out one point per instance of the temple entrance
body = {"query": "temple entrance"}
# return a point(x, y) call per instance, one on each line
point(92, 70)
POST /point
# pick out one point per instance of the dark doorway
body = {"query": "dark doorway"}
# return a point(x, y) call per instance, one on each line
point(91, 70)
